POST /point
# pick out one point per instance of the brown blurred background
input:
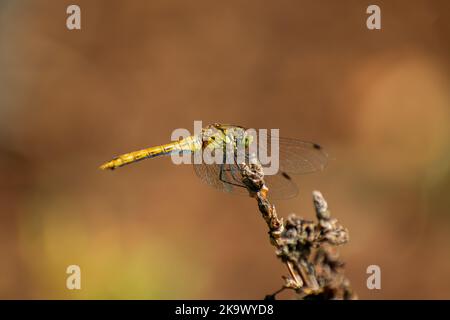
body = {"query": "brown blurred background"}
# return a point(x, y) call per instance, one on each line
point(377, 100)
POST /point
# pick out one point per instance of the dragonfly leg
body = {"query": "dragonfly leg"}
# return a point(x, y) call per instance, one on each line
point(233, 172)
point(221, 177)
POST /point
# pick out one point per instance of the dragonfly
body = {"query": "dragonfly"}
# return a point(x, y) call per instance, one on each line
point(295, 157)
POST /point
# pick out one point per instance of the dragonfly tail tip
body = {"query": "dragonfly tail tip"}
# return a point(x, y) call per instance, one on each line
point(106, 166)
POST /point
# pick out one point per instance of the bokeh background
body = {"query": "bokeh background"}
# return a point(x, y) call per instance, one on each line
point(377, 100)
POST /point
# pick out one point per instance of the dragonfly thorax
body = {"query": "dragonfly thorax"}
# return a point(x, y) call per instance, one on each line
point(223, 137)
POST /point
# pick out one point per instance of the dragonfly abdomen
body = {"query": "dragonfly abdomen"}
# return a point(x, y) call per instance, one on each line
point(188, 144)
point(135, 156)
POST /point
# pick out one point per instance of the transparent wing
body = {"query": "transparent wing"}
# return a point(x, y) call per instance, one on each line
point(227, 178)
point(281, 186)
point(295, 156)
point(224, 177)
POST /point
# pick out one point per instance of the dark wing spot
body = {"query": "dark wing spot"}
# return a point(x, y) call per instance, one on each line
point(316, 146)
point(284, 174)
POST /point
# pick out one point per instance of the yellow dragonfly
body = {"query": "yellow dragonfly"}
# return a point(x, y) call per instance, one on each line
point(295, 157)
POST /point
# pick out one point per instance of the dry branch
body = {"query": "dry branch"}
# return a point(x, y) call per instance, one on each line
point(306, 247)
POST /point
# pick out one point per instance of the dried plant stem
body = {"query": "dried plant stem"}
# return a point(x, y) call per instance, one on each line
point(297, 281)
point(304, 246)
